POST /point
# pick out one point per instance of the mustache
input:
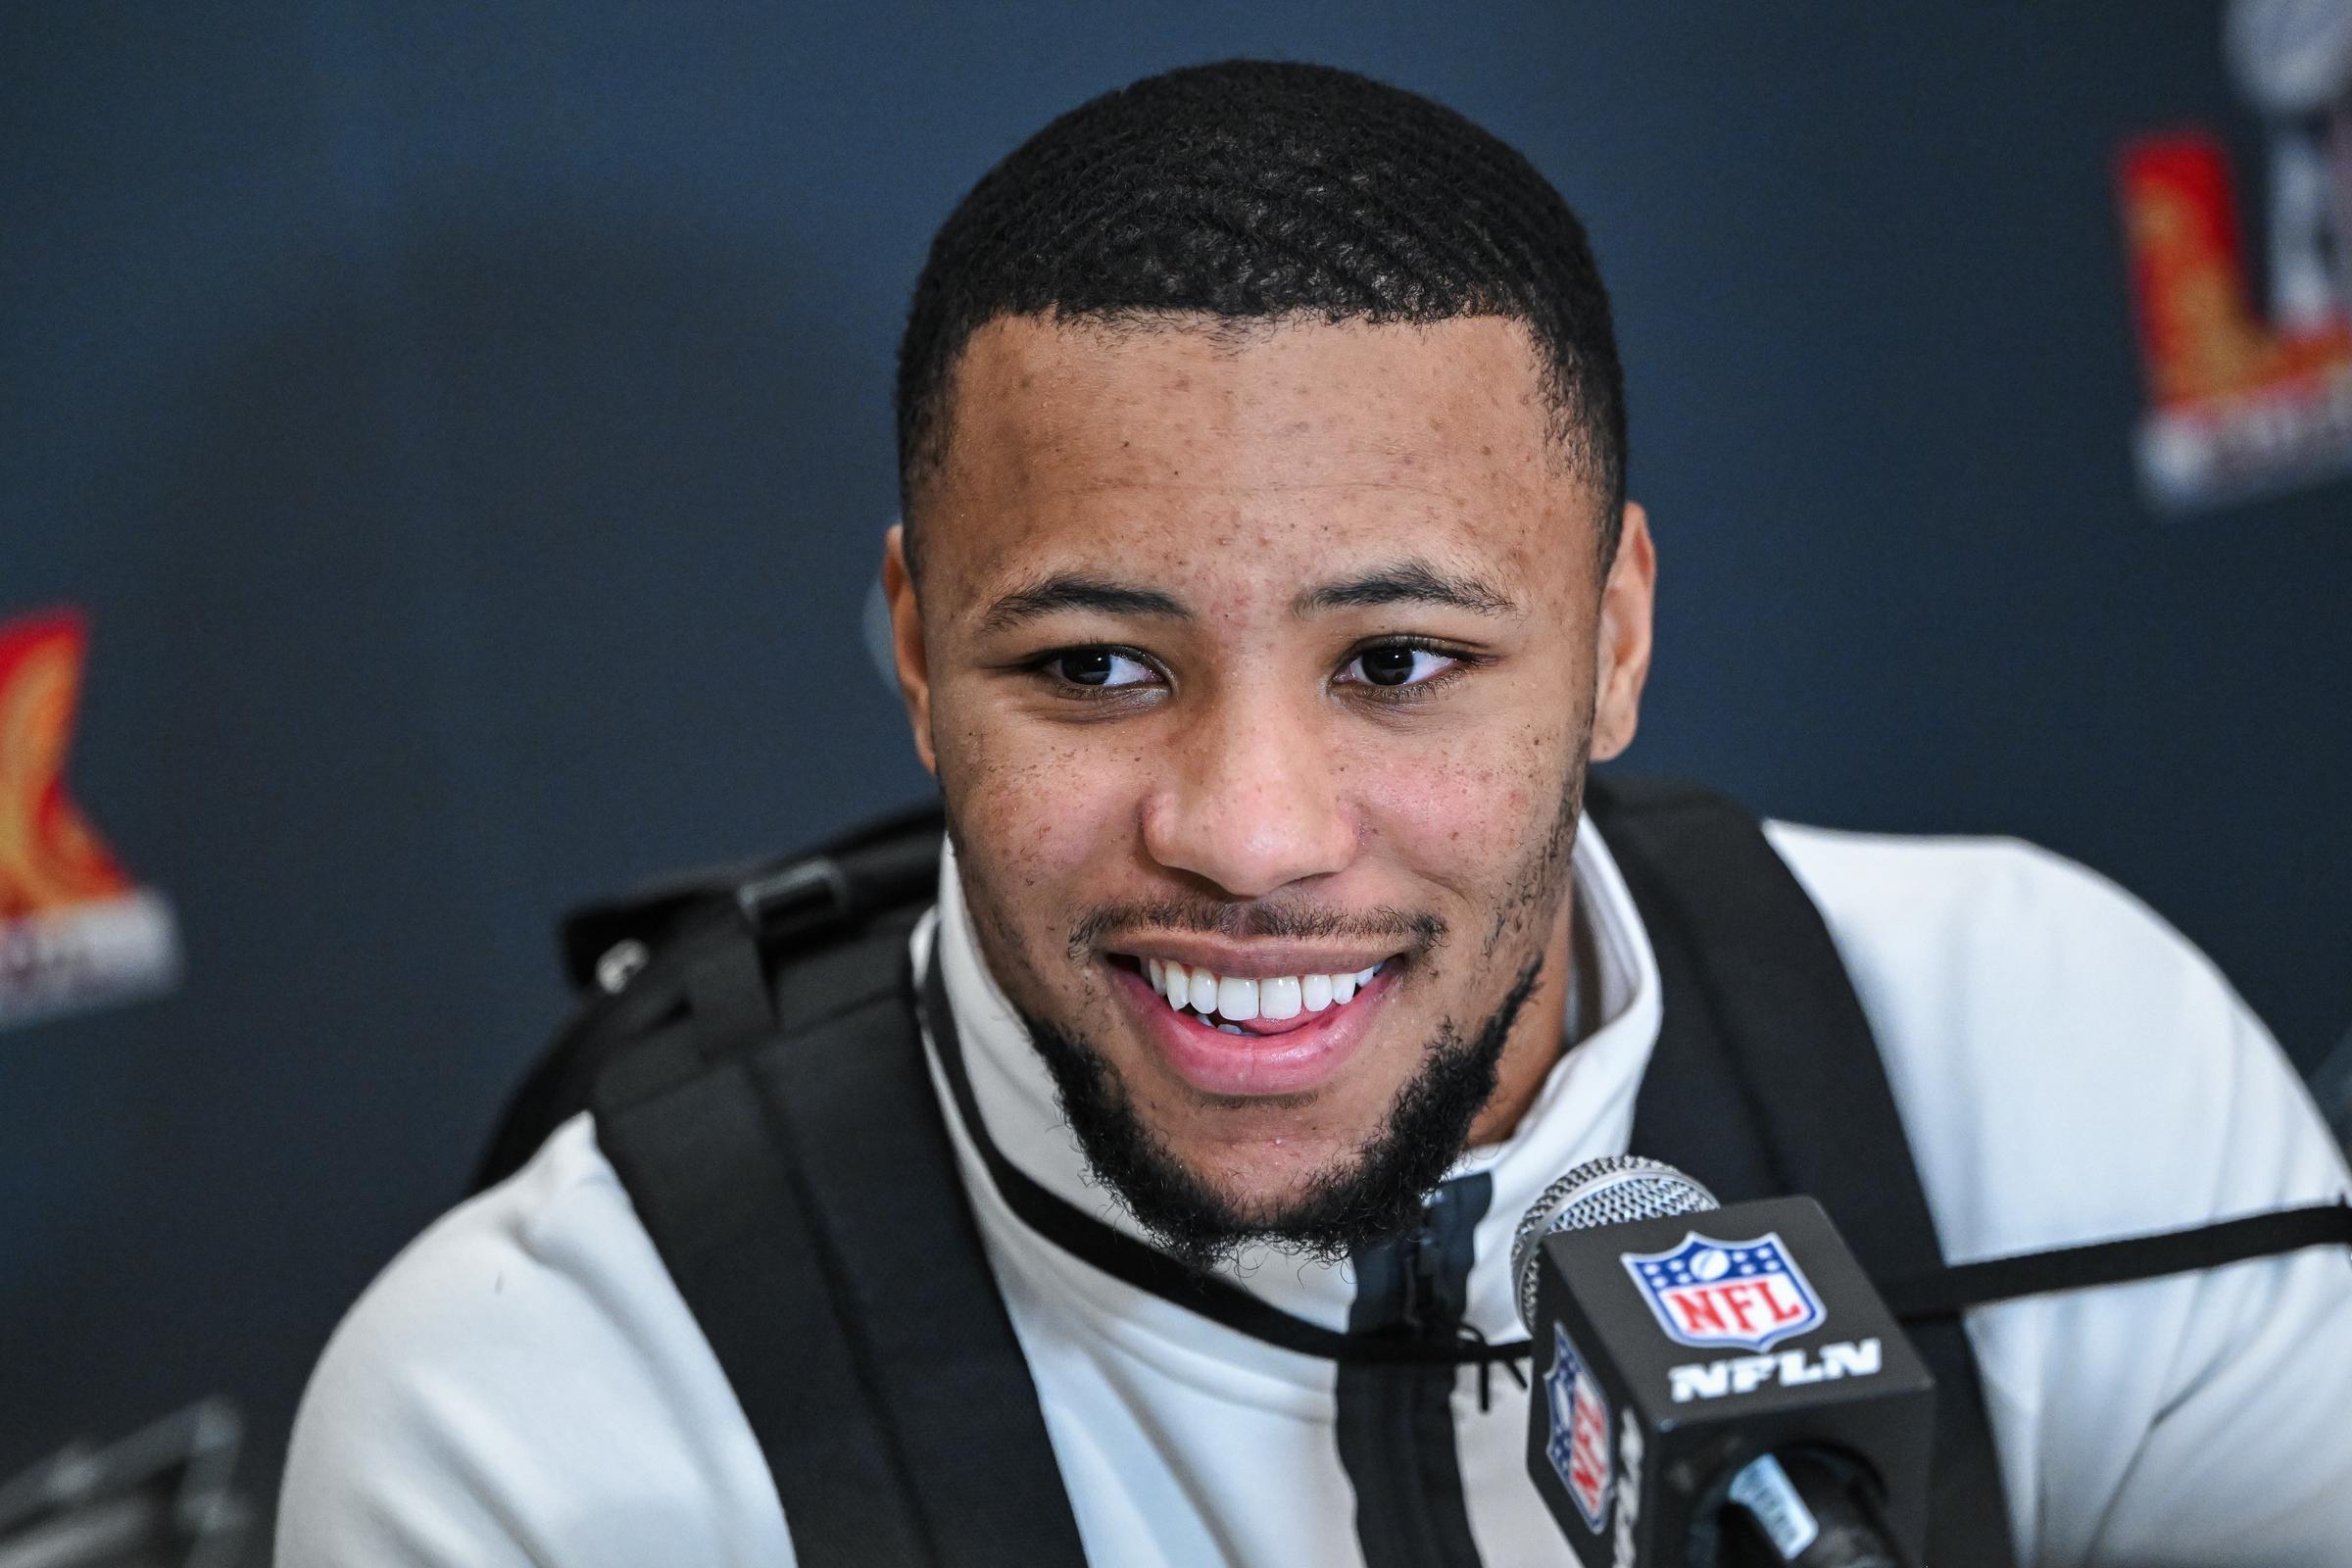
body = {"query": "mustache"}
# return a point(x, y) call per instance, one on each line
point(1417, 931)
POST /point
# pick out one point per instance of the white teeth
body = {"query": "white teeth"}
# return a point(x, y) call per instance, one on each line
point(1280, 997)
point(1231, 1029)
point(1204, 992)
point(1237, 999)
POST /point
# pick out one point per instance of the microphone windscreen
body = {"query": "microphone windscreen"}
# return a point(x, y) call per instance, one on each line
point(1612, 1189)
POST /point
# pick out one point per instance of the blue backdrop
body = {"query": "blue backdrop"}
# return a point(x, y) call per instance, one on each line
point(468, 429)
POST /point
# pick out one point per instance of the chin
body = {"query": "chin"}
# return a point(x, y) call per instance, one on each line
point(1321, 1171)
point(1262, 1181)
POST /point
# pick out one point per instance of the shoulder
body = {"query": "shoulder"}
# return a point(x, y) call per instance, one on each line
point(2069, 1067)
point(524, 1385)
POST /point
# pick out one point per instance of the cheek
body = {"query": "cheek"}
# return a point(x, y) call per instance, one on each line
point(1040, 812)
point(1459, 814)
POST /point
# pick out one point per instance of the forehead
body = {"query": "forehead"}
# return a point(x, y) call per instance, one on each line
point(1275, 437)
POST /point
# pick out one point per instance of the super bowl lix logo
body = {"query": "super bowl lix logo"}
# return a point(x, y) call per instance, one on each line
point(1708, 1294)
point(2247, 393)
point(74, 930)
point(1579, 1445)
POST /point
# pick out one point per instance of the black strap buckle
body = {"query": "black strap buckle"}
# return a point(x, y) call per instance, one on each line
point(806, 893)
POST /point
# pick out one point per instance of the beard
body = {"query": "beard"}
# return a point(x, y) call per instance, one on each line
point(1378, 1193)
point(1373, 1196)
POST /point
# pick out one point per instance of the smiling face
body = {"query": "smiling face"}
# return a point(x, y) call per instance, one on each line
point(1259, 663)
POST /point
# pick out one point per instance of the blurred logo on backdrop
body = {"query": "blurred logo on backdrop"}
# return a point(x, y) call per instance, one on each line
point(2250, 388)
point(74, 930)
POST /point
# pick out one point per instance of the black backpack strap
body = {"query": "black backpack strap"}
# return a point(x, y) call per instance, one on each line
point(882, 866)
point(1944, 1292)
point(1766, 1081)
point(785, 1152)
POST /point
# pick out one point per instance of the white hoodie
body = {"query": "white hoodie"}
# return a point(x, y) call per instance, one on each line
point(524, 1386)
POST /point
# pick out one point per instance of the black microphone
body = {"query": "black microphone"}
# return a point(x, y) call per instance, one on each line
point(1720, 1394)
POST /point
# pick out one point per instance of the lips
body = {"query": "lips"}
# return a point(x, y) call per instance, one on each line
point(1252, 1057)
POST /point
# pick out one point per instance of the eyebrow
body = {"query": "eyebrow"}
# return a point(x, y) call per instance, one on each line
point(1072, 589)
point(1407, 582)
point(1402, 583)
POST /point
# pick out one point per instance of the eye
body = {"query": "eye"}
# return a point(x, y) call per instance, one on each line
point(1099, 667)
point(1398, 664)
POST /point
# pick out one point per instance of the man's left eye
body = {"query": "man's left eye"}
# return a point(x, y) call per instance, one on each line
point(1099, 667)
point(1397, 664)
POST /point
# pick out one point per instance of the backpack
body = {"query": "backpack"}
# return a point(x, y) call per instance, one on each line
point(749, 1043)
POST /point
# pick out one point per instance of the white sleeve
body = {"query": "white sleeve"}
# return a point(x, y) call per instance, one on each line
point(2070, 1068)
point(523, 1388)
point(2245, 1457)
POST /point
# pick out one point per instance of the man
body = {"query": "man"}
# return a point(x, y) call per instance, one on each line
point(1265, 588)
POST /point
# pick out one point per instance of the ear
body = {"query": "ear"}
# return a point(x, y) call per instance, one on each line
point(907, 643)
point(1623, 662)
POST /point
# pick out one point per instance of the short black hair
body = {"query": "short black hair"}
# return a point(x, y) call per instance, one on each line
point(1255, 189)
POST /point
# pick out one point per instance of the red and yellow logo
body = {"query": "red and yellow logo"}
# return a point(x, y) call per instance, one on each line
point(2204, 339)
point(74, 930)
point(49, 857)
point(2249, 382)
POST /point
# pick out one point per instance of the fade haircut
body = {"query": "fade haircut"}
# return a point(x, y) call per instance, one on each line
point(1251, 190)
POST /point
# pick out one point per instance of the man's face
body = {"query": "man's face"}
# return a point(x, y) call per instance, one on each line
point(1274, 652)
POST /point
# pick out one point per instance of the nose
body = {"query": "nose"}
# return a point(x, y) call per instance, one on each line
point(1251, 801)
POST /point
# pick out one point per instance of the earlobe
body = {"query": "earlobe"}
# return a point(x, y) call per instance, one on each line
point(1621, 665)
point(907, 650)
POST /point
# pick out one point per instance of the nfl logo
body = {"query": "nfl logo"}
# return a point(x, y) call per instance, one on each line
point(1707, 1292)
point(1579, 1445)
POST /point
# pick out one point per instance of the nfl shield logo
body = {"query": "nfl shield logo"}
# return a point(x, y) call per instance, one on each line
point(1707, 1292)
point(1579, 1445)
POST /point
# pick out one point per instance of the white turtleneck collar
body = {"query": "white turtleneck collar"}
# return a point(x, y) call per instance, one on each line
point(1584, 1109)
